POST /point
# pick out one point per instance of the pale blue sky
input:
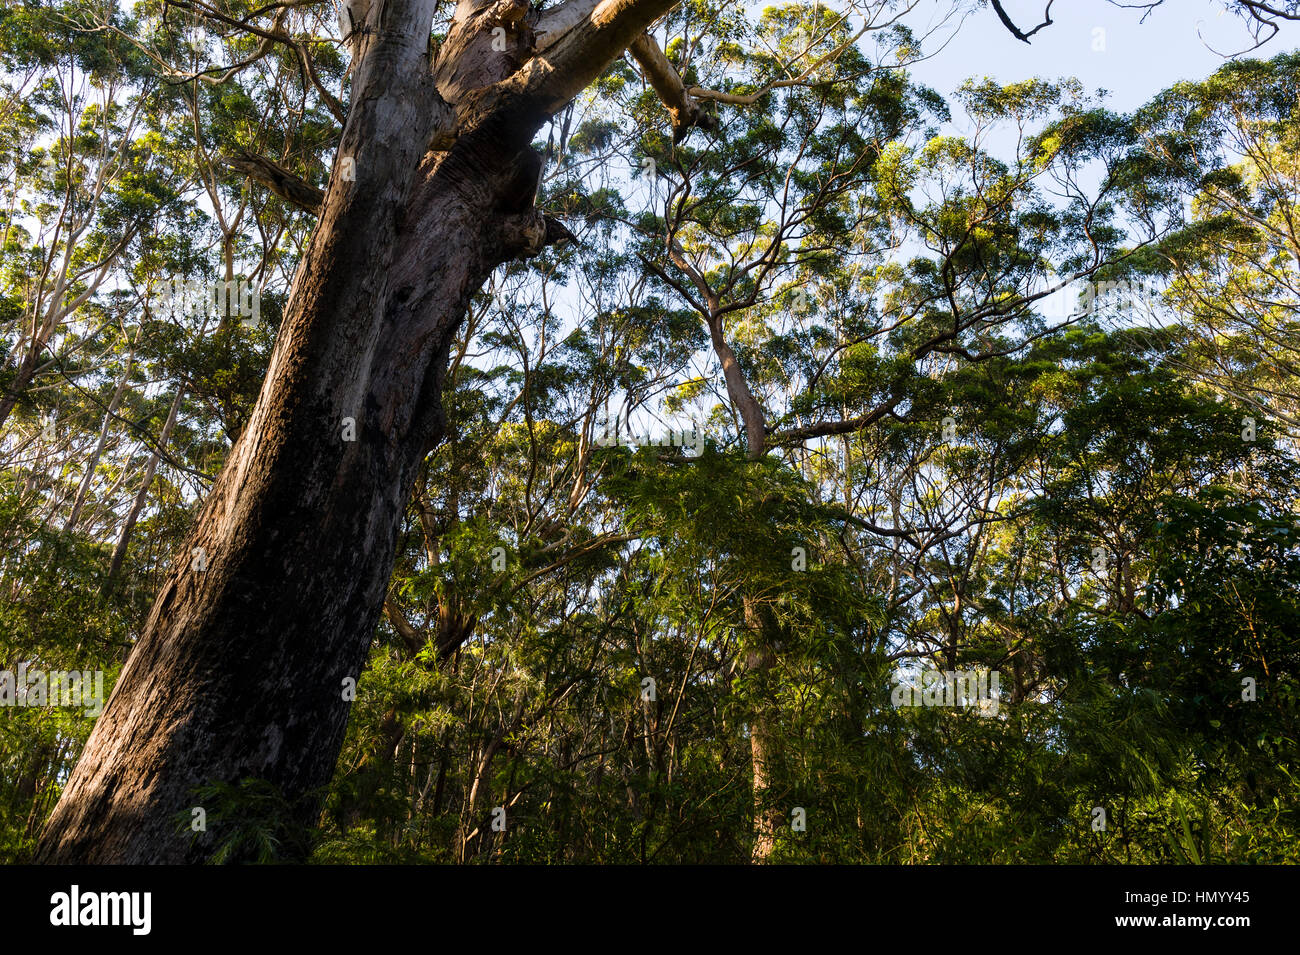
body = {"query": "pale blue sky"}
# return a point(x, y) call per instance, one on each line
point(1139, 58)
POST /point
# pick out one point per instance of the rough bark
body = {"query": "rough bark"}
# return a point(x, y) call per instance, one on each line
point(240, 669)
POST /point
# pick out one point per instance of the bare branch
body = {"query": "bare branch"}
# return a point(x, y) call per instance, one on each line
point(1010, 25)
point(277, 179)
point(685, 112)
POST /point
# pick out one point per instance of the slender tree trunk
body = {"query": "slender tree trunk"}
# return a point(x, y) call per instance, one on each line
point(751, 412)
point(759, 661)
point(45, 325)
point(142, 495)
point(21, 380)
point(89, 477)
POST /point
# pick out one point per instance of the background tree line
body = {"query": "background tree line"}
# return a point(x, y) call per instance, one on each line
point(930, 444)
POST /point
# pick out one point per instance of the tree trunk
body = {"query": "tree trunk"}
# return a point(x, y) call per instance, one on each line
point(240, 671)
point(142, 495)
point(93, 462)
point(22, 378)
point(751, 412)
point(759, 660)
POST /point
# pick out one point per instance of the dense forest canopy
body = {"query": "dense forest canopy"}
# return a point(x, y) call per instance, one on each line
point(628, 431)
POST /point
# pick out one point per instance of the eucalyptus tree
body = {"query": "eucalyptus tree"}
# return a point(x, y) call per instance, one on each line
point(432, 188)
point(1229, 281)
point(244, 667)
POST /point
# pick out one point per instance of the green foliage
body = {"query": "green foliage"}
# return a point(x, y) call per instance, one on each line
point(603, 650)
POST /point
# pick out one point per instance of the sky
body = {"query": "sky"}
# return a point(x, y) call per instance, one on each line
point(1134, 61)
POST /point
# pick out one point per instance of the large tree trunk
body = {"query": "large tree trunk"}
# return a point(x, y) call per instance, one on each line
point(239, 673)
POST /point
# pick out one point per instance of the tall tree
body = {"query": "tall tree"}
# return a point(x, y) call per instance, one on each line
point(230, 680)
point(244, 667)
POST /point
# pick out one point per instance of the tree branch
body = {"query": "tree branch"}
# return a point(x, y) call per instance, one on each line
point(587, 37)
point(1015, 31)
point(683, 109)
point(822, 429)
point(277, 179)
